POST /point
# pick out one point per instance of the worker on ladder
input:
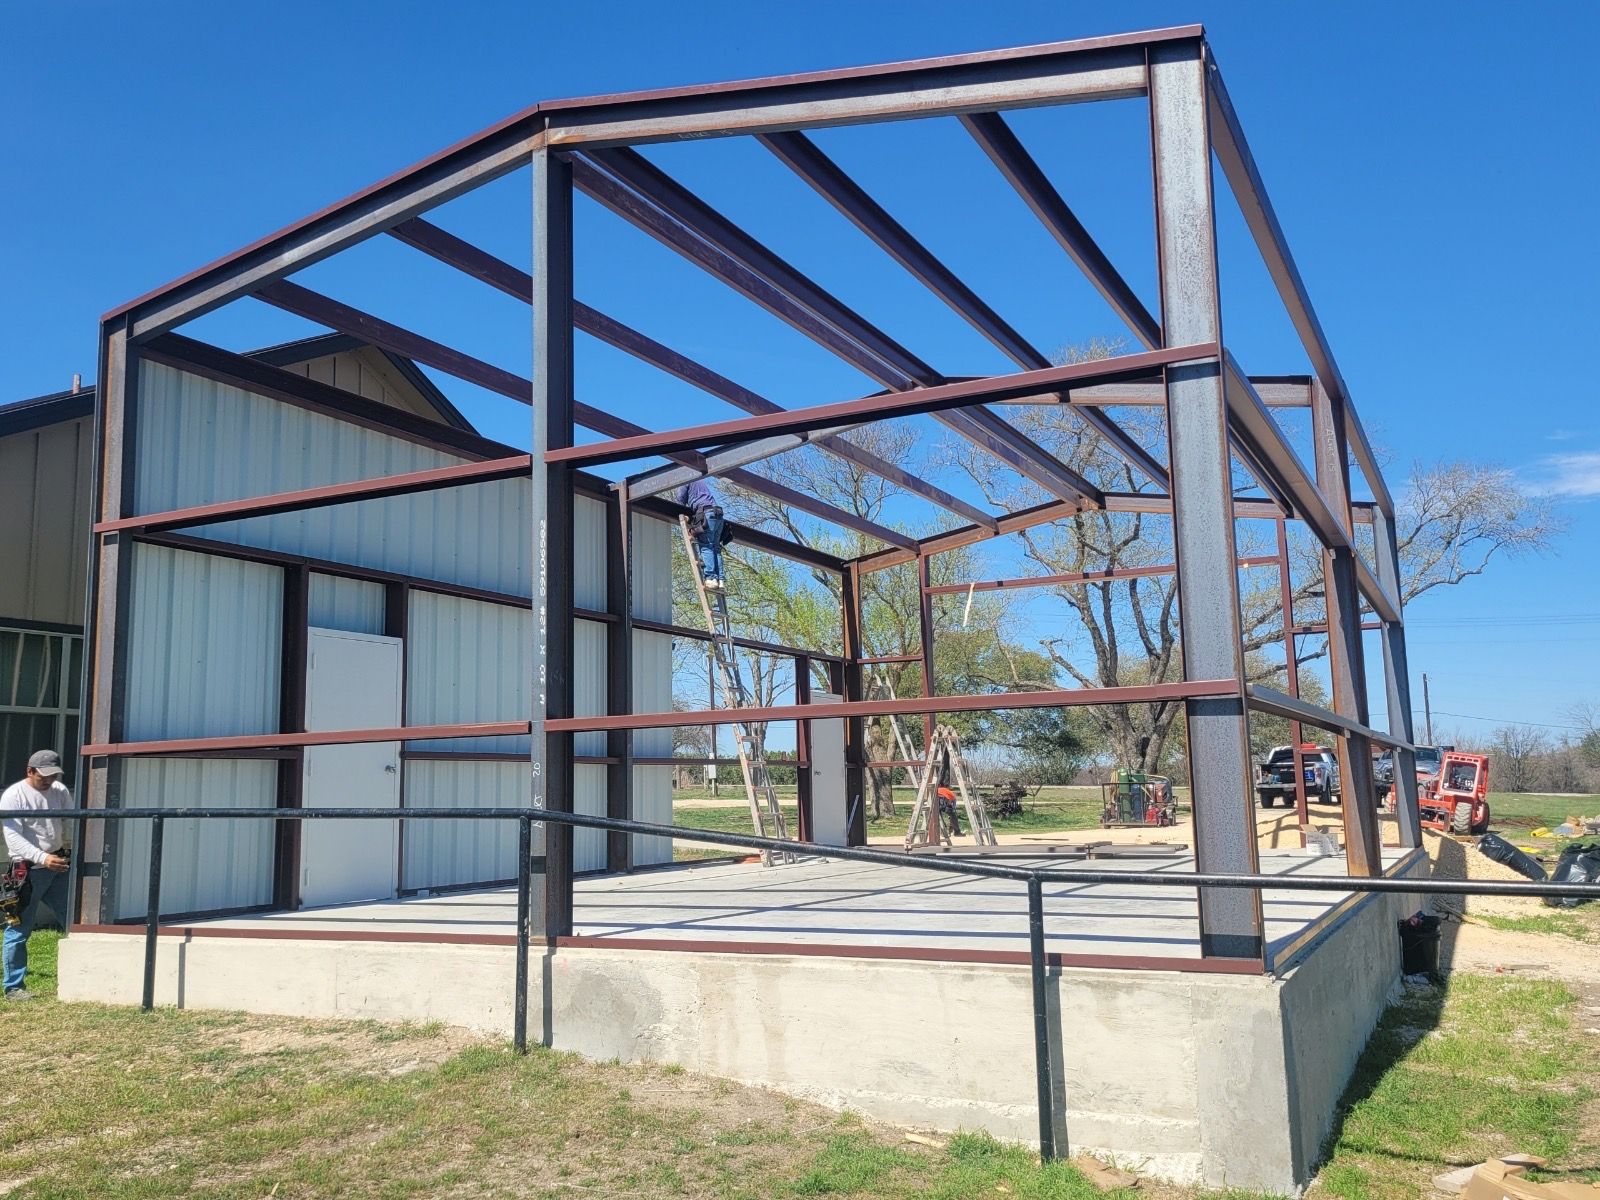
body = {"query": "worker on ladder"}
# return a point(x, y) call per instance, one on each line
point(707, 526)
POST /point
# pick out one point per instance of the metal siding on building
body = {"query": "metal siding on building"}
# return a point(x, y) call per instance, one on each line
point(201, 442)
point(654, 542)
point(204, 638)
point(353, 605)
point(45, 477)
point(442, 854)
point(468, 661)
point(588, 553)
point(205, 865)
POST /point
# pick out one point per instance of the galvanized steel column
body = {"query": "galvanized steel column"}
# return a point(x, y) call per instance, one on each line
point(1397, 683)
point(1202, 500)
point(855, 753)
point(1346, 663)
point(552, 534)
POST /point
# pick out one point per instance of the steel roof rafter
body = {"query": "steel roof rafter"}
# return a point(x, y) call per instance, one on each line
point(802, 156)
point(641, 193)
point(303, 302)
point(480, 264)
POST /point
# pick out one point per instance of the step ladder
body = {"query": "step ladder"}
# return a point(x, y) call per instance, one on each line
point(881, 687)
point(766, 815)
point(927, 826)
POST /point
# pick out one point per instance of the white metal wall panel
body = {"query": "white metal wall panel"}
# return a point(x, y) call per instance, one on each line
point(590, 655)
point(204, 638)
point(468, 661)
point(452, 853)
point(205, 865)
point(201, 442)
point(589, 798)
point(45, 477)
point(653, 542)
point(588, 553)
point(351, 605)
point(652, 801)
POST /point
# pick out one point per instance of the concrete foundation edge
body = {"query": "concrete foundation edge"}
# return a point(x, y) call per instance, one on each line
point(1194, 1078)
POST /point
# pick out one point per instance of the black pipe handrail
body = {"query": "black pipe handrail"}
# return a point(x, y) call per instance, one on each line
point(1033, 877)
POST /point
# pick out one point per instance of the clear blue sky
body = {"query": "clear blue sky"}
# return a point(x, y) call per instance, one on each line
point(1435, 168)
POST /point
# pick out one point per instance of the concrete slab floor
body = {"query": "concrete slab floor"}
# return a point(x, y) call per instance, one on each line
point(825, 902)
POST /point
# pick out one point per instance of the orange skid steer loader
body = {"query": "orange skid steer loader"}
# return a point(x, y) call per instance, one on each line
point(1455, 800)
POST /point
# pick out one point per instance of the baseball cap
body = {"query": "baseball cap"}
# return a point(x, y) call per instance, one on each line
point(46, 762)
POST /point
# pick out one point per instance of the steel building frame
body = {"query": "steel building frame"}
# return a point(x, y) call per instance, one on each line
point(1214, 412)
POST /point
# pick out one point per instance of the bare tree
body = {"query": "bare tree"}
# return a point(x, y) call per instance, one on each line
point(1515, 753)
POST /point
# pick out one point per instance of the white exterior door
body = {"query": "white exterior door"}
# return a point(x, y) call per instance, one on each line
point(830, 812)
point(353, 681)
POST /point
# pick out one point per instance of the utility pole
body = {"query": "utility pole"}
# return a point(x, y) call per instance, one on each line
point(1427, 708)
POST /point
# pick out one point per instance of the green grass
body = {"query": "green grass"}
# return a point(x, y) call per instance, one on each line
point(1558, 924)
point(1530, 812)
point(167, 1104)
point(1055, 809)
point(1455, 1076)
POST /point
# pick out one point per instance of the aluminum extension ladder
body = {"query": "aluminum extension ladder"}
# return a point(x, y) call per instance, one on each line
point(766, 815)
point(945, 750)
point(881, 687)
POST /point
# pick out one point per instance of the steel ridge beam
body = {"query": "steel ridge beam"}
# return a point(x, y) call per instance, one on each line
point(481, 265)
point(1106, 575)
point(647, 197)
point(829, 180)
point(1057, 73)
point(1280, 704)
point(302, 499)
point(1238, 164)
point(883, 405)
point(909, 706)
point(302, 301)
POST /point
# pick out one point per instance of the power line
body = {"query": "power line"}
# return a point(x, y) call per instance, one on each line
point(1503, 721)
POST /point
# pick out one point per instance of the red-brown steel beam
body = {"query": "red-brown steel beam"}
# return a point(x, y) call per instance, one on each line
point(1071, 577)
point(324, 737)
point(913, 706)
point(999, 702)
point(480, 264)
point(1150, 503)
point(879, 407)
point(409, 483)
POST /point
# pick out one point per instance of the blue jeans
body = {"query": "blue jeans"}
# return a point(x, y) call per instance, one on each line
point(708, 541)
point(48, 888)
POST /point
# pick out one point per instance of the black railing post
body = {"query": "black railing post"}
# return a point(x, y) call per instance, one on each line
point(524, 905)
point(1041, 1020)
point(152, 916)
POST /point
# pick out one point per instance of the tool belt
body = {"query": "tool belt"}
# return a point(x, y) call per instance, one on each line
point(698, 521)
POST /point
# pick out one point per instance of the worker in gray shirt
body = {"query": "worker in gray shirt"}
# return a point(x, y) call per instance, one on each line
point(36, 839)
point(705, 523)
